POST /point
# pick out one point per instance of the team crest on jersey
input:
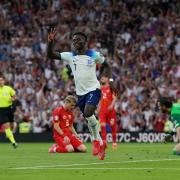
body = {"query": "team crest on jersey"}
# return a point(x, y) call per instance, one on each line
point(89, 62)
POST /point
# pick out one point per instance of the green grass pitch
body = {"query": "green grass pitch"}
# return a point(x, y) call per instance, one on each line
point(31, 161)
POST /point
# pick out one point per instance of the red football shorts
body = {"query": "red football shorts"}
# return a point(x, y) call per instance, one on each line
point(74, 141)
point(107, 116)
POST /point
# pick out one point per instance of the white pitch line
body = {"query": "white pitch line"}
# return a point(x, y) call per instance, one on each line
point(87, 164)
point(148, 168)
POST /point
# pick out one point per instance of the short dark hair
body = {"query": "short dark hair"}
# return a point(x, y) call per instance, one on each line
point(81, 34)
point(165, 101)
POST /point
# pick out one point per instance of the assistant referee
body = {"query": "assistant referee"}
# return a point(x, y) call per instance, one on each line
point(7, 97)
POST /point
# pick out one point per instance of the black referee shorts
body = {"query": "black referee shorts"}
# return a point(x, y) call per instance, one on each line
point(7, 114)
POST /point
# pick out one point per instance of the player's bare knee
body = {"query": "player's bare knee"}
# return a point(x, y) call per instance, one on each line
point(82, 148)
point(88, 114)
point(70, 148)
point(89, 110)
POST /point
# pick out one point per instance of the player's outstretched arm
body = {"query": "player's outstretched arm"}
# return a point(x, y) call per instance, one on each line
point(106, 70)
point(50, 52)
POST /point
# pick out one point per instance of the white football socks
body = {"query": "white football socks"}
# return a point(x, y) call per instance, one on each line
point(93, 126)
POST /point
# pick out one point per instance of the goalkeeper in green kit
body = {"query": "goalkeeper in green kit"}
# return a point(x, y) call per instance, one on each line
point(167, 106)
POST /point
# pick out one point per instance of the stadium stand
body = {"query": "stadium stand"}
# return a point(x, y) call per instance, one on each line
point(139, 38)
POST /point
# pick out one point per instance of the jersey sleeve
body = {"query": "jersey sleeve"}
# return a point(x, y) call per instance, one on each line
point(55, 115)
point(66, 56)
point(12, 92)
point(99, 58)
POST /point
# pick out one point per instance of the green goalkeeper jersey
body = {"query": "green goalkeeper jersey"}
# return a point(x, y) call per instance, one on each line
point(175, 114)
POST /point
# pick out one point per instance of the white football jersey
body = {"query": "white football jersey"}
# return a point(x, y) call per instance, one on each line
point(84, 70)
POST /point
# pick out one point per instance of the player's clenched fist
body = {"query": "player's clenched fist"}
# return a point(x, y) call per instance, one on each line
point(52, 34)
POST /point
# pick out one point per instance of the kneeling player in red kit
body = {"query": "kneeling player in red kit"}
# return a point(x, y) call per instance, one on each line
point(107, 114)
point(64, 133)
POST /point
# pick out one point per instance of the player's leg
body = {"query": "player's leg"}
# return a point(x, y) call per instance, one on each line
point(66, 146)
point(11, 124)
point(60, 146)
point(53, 148)
point(176, 150)
point(77, 144)
point(81, 104)
point(5, 119)
point(9, 134)
point(112, 122)
point(94, 128)
point(92, 100)
point(11, 118)
point(61, 149)
point(113, 129)
point(92, 121)
point(82, 148)
point(103, 132)
point(88, 104)
point(69, 148)
point(102, 120)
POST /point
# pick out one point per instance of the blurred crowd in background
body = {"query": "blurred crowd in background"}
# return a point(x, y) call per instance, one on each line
point(139, 38)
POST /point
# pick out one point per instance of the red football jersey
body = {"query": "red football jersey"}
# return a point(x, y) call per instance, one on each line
point(106, 98)
point(64, 117)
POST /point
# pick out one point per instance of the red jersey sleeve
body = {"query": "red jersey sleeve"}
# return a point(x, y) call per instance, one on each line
point(56, 115)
